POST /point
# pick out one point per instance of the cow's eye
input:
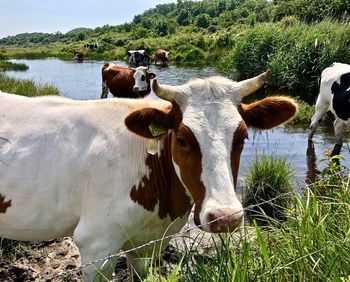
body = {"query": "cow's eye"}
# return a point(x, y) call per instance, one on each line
point(181, 142)
point(143, 78)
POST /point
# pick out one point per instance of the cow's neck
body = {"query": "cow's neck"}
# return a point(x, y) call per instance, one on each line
point(162, 187)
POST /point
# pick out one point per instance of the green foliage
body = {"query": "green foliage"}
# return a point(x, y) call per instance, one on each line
point(202, 20)
point(311, 10)
point(304, 115)
point(194, 55)
point(25, 87)
point(269, 186)
point(311, 245)
point(6, 65)
point(295, 52)
point(237, 36)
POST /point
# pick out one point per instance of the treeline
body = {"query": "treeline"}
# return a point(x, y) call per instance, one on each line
point(168, 19)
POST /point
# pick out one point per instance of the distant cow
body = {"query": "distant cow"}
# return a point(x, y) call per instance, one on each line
point(82, 168)
point(126, 82)
point(162, 56)
point(334, 96)
point(91, 46)
point(79, 56)
point(138, 58)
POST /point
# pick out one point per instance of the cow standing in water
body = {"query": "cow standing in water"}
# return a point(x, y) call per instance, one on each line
point(126, 82)
point(162, 56)
point(138, 58)
point(79, 56)
point(82, 168)
point(334, 96)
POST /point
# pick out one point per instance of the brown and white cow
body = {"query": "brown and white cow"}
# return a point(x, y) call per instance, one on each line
point(162, 56)
point(126, 82)
point(83, 168)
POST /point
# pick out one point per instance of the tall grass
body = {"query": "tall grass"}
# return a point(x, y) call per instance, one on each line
point(268, 179)
point(25, 87)
point(295, 52)
point(312, 244)
point(6, 65)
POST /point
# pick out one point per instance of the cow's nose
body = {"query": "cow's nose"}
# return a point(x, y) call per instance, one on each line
point(136, 88)
point(224, 220)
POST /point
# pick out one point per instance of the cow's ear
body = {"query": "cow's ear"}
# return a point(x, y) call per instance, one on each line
point(151, 75)
point(149, 122)
point(269, 112)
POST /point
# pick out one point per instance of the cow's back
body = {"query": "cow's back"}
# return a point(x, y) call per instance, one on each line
point(61, 159)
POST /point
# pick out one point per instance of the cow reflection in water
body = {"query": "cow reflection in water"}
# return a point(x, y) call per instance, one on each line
point(312, 171)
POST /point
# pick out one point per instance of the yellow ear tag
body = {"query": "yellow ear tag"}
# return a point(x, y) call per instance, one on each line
point(156, 129)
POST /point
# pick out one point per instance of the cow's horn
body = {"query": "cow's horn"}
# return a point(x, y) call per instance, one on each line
point(166, 92)
point(249, 86)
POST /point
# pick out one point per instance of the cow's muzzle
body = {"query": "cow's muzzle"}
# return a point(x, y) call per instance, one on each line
point(223, 220)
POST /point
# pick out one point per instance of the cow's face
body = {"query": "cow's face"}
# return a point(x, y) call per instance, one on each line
point(208, 126)
point(142, 77)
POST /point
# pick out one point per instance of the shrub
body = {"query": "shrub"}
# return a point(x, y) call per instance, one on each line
point(304, 115)
point(194, 55)
point(268, 185)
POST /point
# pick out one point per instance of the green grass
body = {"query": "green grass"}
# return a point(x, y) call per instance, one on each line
point(25, 87)
point(268, 178)
point(6, 65)
point(304, 115)
point(311, 244)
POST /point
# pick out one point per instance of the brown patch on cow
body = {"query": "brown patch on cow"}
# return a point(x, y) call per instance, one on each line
point(4, 204)
point(269, 112)
point(237, 147)
point(187, 155)
point(162, 187)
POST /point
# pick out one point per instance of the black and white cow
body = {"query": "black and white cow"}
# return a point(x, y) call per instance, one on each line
point(138, 58)
point(334, 96)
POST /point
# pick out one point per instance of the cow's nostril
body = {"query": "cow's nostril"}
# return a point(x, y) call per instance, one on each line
point(136, 88)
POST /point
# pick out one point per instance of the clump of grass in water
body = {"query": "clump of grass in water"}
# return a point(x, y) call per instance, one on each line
point(269, 186)
point(25, 87)
point(6, 65)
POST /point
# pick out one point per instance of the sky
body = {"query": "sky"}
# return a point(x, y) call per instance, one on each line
point(20, 16)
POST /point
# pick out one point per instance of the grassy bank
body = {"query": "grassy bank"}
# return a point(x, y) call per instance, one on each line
point(25, 87)
point(295, 52)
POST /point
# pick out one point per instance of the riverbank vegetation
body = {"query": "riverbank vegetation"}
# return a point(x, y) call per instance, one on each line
point(311, 244)
point(296, 39)
point(25, 87)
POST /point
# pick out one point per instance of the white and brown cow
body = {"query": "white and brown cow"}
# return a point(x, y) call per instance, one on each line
point(334, 96)
point(83, 168)
point(126, 82)
point(162, 56)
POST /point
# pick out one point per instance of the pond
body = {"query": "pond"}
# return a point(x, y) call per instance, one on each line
point(83, 81)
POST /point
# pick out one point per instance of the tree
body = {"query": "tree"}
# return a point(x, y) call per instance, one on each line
point(202, 20)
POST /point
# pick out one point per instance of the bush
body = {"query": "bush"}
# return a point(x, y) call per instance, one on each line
point(304, 115)
point(194, 55)
point(268, 185)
